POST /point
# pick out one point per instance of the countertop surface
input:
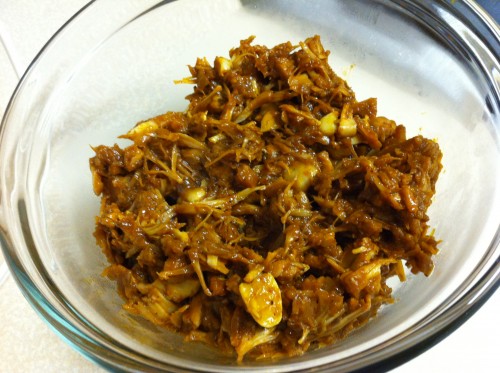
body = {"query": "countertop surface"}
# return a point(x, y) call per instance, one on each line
point(27, 344)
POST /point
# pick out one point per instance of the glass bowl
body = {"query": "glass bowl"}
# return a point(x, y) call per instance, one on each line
point(432, 65)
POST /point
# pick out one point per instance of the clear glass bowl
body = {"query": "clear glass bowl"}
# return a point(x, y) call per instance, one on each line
point(432, 65)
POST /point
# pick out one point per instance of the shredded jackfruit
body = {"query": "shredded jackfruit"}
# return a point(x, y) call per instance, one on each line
point(266, 218)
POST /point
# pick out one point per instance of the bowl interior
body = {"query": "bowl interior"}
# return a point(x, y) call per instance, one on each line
point(127, 74)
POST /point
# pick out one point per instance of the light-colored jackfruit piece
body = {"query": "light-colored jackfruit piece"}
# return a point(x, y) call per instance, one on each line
point(143, 128)
point(328, 124)
point(348, 127)
point(265, 335)
point(268, 121)
point(214, 262)
point(262, 298)
point(222, 65)
point(302, 173)
point(178, 291)
point(194, 194)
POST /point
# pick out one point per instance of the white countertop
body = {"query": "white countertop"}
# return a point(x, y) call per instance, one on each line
point(27, 344)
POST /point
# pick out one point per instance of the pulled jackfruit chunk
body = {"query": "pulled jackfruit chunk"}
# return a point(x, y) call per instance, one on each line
point(262, 298)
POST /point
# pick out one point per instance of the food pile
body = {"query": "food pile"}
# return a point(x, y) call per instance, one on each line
point(267, 217)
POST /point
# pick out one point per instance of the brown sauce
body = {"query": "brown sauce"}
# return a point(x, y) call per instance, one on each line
point(267, 217)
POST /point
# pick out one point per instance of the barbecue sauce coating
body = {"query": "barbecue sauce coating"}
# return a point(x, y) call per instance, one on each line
point(267, 217)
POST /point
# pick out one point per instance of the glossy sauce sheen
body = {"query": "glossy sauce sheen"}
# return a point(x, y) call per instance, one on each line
point(266, 219)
